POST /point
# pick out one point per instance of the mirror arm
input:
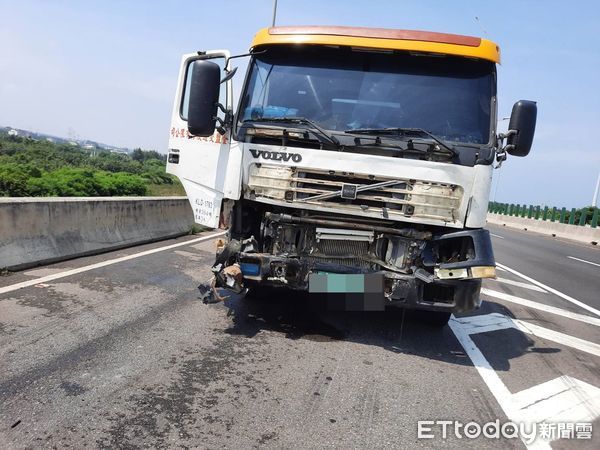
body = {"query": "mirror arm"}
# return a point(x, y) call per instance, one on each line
point(243, 55)
point(503, 150)
point(503, 136)
point(222, 108)
point(226, 122)
point(230, 74)
point(500, 157)
point(221, 127)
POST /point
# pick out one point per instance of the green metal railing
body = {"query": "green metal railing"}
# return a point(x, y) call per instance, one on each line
point(576, 216)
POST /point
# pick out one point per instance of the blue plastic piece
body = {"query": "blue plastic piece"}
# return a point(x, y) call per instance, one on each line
point(250, 269)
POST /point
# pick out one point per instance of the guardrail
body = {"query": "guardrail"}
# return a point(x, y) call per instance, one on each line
point(585, 234)
point(35, 231)
point(578, 217)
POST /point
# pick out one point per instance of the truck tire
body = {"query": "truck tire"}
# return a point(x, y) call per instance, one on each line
point(434, 318)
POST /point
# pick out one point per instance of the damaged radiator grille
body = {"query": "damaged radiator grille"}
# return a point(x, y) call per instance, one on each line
point(342, 252)
point(338, 248)
point(350, 193)
point(407, 198)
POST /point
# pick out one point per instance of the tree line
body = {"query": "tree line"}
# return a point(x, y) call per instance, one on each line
point(41, 168)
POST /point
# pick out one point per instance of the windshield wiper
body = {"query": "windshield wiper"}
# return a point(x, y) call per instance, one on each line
point(313, 126)
point(401, 132)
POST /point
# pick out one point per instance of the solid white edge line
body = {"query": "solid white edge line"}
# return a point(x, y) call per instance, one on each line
point(497, 235)
point(541, 307)
point(24, 284)
point(558, 337)
point(584, 261)
point(551, 290)
point(532, 287)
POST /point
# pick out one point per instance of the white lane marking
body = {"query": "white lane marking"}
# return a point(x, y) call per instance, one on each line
point(564, 399)
point(583, 260)
point(500, 269)
point(547, 401)
point(486, 372)
point(541, 307)
point(24, 284)
point(552, 290)
point(533, 287)
point(497, 235)
point(489, 375)
point(560, 338)
point(496, 321)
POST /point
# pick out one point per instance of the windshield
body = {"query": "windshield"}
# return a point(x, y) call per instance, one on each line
point(345, 89)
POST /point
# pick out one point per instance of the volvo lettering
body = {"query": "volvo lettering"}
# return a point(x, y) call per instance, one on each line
point(276, 156)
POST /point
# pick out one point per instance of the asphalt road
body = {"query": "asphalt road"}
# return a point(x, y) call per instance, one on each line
point(549, 260)
point(121, 354)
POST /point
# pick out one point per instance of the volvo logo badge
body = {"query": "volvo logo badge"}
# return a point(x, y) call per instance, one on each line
point(348, 191)
point(276, 156)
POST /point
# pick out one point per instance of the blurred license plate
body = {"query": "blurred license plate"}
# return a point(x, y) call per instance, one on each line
point(352, 292)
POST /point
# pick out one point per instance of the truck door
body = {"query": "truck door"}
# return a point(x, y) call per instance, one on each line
point(208, 167)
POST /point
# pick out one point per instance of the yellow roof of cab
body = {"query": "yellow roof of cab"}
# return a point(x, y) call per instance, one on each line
point(381, 38)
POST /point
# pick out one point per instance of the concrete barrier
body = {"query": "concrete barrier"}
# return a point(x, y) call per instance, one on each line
point(34, 231)
point(585, 234)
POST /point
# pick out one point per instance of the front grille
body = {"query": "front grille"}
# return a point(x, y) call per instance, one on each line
point(396, 200)
point(406, 198)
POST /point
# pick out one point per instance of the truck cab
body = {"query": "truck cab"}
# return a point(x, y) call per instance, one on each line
point(357, 164)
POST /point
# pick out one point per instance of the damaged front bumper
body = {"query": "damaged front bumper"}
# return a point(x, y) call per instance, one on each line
point(440, 272)
point(397, 289)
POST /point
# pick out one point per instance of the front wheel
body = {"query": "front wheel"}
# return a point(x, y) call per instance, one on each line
point(434, 318)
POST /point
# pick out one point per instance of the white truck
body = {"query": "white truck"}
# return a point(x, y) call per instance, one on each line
point(357, 165)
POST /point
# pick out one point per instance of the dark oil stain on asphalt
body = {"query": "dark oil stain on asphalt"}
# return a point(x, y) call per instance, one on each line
point(293, 327)
point(291, 317)
point(72, 389)
point(189, 400)
point(266, 437)
point(52, 302)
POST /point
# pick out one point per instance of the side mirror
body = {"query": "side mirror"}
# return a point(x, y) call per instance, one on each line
point(521, 128)
point(203, 98)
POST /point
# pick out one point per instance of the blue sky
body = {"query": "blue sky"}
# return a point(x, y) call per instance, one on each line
point(106, 70)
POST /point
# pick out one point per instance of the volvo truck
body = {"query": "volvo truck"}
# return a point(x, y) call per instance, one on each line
point(357, 162)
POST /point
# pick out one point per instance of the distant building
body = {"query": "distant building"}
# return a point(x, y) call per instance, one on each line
point(50, 139)
point(13, 132)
